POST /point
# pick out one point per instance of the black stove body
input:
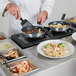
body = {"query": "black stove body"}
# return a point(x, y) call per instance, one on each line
point(24, 42)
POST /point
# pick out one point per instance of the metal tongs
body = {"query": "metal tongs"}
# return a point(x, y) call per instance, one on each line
point(1, 56)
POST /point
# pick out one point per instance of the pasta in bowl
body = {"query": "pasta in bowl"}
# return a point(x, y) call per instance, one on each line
point(55, 49)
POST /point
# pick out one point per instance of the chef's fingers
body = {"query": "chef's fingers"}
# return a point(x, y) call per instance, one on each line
point(42, 20)
point(19, 13)
point(13, 12)
point(39, 19)
point(10, 11)
point(16, 14)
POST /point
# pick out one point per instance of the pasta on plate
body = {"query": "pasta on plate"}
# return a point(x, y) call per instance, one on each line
point(55, 50)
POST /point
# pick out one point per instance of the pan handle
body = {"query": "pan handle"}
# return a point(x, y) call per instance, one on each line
point(21, 19)
point(39, 22)
point(5, 10)
point(63, 16)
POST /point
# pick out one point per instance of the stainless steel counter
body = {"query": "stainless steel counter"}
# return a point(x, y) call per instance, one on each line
point(43, 62)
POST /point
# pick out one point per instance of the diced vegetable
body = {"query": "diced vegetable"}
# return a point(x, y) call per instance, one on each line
point(60, 45)
point(48, 46)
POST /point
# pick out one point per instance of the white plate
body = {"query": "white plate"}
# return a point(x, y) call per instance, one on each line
point(68, 45)
point(74, 36)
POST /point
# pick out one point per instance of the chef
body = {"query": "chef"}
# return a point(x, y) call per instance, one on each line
point(32, 10)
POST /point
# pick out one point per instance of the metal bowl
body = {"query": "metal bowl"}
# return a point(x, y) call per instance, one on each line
point(59, 29)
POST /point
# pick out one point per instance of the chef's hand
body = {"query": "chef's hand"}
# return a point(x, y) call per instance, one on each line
point(42, 17)
point(14, 10)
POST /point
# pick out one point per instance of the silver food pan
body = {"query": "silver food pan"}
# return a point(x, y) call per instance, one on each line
point(70, 20)
point(8, 39)
point(2, 36)
point(30, 63)
point(6, 44)
point(9, 58)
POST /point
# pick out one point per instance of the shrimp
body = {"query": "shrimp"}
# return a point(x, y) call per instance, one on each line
point(24, 64)
point(23, 67)
point(28, 68)
point(55, 45)
point(19, 66)
point(15, 74)
point(56, 49)
point(44, 49)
